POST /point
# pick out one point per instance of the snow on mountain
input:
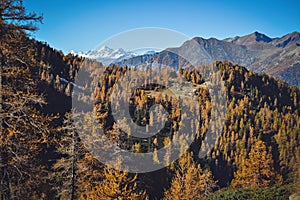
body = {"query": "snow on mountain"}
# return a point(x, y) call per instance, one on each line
point(107, 55)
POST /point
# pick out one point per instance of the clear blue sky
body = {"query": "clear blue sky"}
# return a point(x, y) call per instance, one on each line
point(81, 25)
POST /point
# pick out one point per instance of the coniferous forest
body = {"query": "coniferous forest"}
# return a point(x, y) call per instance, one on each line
point(42, 155)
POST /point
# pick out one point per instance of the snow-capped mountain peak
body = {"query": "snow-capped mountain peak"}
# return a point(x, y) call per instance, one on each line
point(105, 48)
point(107, 55)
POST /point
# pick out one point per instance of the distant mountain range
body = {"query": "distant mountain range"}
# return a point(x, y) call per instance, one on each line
point(279, 57)
point(108, 56)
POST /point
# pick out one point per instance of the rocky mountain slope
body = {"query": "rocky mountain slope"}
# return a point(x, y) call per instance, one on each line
point(278, 57)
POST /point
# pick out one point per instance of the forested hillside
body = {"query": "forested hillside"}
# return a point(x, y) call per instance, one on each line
point(42, 155)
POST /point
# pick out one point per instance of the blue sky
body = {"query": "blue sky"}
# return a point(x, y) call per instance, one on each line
point(82, 25)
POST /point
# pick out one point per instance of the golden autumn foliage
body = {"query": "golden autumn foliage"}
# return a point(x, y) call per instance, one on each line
point(190, 181)
point(117, 185)
point(42, 155)
point(257, 171)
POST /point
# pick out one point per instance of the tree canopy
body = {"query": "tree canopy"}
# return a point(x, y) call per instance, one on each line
point(14, 16)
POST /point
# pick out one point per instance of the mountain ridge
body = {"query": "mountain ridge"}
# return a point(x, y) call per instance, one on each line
point(107, 55)
point(278, 57)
